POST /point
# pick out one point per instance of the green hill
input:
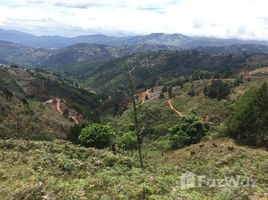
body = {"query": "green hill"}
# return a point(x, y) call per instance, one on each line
point(154, 67)
point(29, 104)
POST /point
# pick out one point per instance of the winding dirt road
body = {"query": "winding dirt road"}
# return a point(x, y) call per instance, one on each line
point(172, 108)
point(58, 106)
point(75, 120)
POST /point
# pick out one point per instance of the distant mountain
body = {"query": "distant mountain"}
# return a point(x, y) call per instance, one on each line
point(177, 40)
point(246, 49)
point(63, 57)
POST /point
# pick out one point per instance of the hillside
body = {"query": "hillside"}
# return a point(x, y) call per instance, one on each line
point(33, 103)
point(157, 115)
point(153, 67)
point(60, 170)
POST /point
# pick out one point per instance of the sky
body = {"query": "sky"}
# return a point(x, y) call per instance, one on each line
point(244, 19)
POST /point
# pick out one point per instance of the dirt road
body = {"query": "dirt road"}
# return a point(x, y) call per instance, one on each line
point(172, 108)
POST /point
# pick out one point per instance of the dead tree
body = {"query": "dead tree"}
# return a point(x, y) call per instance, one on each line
point(138, 132)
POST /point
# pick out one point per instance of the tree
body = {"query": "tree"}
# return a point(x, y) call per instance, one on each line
point(189, 131)
point(74, 132)
point(248, 121)
point(7, 93)
point(217, 89)
point(128, 141)
point(170, 92)
point(164, 89)
point(116, 108)
point(97, 135)
point(66, 113)
point(238, 80)
point(161, 96)
point(138, 133)
point(162, 144)
point(191, 92)
point(146, 97)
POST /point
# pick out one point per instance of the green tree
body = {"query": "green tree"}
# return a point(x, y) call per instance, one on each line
point(192, 92)
point(170, 92)
point(97, 135)
point(164, 89)
point(217, 89)
point(146, 97)
point(248, 121)
point(74, 132)
point(238, 80)
point(66, 113)
point(128, 141)
point(189, 131)
point(162, 144)
point(161, 96)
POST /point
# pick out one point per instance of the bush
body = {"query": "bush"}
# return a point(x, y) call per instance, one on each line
point(46, 136)
point(248, 121)
point(97, 135)
point(189, 131)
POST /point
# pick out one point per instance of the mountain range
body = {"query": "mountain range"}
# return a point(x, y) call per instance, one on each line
point(177, 40)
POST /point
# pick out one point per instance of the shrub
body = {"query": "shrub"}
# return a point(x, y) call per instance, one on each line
point(189, 131)
point(97, 135)
point(46, 136)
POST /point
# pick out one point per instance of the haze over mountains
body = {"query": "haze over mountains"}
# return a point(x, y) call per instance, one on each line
point(178, 40)
point(62, 53)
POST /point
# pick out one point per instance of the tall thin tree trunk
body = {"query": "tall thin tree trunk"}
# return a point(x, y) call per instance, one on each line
point(139, 141)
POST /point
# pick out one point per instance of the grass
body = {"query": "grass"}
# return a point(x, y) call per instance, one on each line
point(60, 170)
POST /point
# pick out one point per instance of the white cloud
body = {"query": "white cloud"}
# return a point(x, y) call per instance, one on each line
point(246, 19)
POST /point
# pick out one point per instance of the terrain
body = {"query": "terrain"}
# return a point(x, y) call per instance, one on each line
point(67, 128)
point(29, 104)
point(60, 170)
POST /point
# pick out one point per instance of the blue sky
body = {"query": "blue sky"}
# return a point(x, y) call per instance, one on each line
point(246, 19)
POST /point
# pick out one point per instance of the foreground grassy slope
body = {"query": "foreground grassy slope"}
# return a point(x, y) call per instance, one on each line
point(59, 170)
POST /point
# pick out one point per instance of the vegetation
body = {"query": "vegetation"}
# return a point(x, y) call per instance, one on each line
point(249, 119)
point(60, 170)
point(190, 130)
point(180, 129)
point(97, 135)
point(217, 89)
point(128, 141)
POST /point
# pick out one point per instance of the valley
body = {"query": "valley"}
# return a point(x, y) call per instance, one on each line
point(70, 127)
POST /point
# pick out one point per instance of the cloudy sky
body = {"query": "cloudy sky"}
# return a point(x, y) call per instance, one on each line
point(246, 19)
